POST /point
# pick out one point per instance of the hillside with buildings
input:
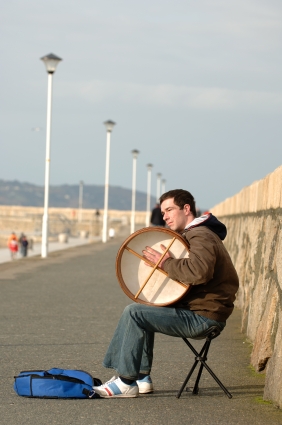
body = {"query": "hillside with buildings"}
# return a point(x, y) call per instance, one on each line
point(67, 196)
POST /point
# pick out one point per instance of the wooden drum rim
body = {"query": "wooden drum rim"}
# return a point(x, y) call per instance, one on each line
point(124, 247)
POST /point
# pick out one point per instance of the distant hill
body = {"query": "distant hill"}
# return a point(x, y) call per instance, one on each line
point(66, 196)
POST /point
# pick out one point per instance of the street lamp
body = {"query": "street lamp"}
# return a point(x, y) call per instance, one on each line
point(149, 175)
point(51, 61)
point(109, 127)
point(163, 186)
point(80, 199)
point(135, 153)
point(158, 186)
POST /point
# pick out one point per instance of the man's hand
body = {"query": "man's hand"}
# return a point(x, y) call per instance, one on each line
point(154, 256)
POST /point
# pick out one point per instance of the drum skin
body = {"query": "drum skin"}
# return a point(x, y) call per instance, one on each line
point(132, 272)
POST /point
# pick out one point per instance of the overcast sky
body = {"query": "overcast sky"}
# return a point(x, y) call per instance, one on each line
point(194, 85)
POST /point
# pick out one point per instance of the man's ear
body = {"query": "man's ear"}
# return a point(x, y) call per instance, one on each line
point(187, 209)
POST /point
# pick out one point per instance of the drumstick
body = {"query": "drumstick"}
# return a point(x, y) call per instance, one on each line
point(154, 268)
point(152, 264)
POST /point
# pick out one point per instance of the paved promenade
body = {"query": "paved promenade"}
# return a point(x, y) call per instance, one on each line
point(62, 311)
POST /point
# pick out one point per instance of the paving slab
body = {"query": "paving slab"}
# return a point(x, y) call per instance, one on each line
point(62, 311)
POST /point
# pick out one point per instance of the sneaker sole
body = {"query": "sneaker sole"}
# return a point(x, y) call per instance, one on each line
point(118, 396)
point(145, 391)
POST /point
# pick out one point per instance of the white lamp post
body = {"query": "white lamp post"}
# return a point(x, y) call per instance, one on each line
point(148, 210)
point(80, 200)
point(158, 186)
point(109, 127)
point(135, 153)
point(51, 61)
point(163, 186)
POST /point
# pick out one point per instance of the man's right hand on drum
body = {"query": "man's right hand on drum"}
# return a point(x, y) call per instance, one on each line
point(153, 256)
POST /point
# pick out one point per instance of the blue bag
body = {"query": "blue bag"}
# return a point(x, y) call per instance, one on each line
point(56, 383)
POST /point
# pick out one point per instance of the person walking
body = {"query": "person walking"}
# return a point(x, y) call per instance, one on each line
point(13, 245)
point(24, 246)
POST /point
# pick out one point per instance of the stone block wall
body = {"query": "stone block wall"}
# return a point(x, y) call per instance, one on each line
point(62, 220)
point(254, 219)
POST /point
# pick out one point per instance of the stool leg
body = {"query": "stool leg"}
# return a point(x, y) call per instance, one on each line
point(216, 379)
point(187, 379)
point(201, 358)
point(197, 358)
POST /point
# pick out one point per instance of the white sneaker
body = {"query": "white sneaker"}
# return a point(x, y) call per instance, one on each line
point(145, 385)
point(116, 388)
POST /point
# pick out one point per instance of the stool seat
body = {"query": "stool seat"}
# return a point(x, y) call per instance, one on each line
point(208, 335)
point(212, 332)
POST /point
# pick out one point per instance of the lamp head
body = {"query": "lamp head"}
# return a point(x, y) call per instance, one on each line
point(135, 153)
point(51, 61)
point(109, 125)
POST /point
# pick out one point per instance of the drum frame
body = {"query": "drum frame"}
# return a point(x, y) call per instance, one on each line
point(124, 247)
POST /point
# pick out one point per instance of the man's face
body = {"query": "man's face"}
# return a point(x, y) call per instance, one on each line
point(175, 218)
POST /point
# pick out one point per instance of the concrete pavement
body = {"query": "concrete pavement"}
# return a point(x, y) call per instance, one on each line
point(62, 311)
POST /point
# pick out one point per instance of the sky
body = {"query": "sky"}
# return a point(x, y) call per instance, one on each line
point(194, 85)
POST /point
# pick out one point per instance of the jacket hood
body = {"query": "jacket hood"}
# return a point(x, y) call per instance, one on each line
point(211, 222)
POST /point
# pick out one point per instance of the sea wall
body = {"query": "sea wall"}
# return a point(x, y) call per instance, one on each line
point(72, 221)
point(253, 218)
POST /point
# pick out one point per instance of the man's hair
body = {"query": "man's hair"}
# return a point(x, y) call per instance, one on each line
point(180, 198)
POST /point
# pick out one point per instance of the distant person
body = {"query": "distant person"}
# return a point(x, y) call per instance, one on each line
point(13, 245)
point(111, 233)
point(97, 214)
point(157, 217)
point(24, 246)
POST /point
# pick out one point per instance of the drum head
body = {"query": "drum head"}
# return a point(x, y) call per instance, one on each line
point(132, 272)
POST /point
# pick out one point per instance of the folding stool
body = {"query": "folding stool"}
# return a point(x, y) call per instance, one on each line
point(201, 357)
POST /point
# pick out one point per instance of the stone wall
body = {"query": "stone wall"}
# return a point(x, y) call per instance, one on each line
point(253, 218)
point(72, 214)
point(61, 220)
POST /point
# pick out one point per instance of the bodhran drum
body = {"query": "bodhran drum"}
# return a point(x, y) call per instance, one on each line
point(145, 284)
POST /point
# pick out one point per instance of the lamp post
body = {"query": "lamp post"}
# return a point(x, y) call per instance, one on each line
point(149, 177)
point(80, 199)
point(109, 127)
point(163, 186)
point(51, 61)
point(158, 186)
point(135, 153)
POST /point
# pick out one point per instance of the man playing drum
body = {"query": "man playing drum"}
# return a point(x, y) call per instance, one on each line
point(209, 302)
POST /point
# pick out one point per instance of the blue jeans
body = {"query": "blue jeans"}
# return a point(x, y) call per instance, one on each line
point(131, 348)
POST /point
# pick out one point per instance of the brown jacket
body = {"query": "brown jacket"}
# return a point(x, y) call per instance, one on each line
point(210, 271)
